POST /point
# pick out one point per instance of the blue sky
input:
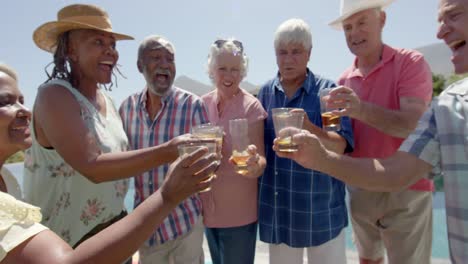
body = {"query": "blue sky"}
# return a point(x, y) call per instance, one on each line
point(193, 25)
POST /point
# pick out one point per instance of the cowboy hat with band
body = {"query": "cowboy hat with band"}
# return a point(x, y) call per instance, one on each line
point(72, 17)
point(351, 7)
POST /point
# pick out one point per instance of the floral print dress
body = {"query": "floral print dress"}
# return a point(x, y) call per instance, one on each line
point(71, 204)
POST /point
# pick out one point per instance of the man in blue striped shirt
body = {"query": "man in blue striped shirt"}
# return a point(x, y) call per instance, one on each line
point(300, 209)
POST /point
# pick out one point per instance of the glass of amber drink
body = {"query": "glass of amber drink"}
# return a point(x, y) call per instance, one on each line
point(239, 131)
point(330, 121)
point(209, 131)
point(188, 148)
point(286, 118)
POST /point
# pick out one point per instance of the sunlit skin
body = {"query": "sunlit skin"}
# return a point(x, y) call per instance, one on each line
point(292, 59)
point(453, 30)
point(93, 55)
point(227, 76)
point(158, 67)
point(363, 32)
point(14, 117)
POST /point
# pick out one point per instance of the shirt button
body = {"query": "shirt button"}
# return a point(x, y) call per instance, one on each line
point(276, 172)
point(276, 193)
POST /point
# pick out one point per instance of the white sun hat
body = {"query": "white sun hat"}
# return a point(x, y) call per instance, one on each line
point(351, 7)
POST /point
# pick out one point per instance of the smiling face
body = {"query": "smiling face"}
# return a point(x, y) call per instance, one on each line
point(93, 53)
point(227, 71)
point(453, 29)
point(14, 117)
point(157, 64)
point(363, 32)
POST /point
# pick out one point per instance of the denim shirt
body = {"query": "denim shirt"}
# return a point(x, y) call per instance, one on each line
point(298, 206)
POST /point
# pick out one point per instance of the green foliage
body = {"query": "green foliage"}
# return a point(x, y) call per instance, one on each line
point(17, 157)
point(438, 84)
point(456, 77)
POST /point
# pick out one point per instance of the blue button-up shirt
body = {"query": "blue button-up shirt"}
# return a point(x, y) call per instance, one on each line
point(298, 206)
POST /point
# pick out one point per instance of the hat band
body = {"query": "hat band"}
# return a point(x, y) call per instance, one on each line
point(94, 21)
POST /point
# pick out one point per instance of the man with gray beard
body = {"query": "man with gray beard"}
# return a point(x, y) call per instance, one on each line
point(152, 117)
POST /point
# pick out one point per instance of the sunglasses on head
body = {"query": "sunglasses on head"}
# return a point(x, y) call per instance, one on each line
point(220, 42)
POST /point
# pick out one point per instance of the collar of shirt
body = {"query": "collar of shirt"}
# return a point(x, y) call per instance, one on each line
point(459, 88)
point(164, 99)
point(387, 55)
point(305, 86)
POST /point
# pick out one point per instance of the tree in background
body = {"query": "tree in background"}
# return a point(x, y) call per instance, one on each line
point(438, 84)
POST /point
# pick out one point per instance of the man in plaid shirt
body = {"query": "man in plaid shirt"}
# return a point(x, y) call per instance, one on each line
point(160, 114)
point(300, 210)
point(439, 143)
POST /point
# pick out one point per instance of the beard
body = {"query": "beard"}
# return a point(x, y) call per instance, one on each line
point(159, 91)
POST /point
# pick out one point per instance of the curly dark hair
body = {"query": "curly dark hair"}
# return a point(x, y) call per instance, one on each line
point(62, 68)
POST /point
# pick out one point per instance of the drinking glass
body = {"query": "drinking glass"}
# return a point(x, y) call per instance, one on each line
point(330, 121)
point(239, 130)
point(187, 148)
point(209, 131)
point(286, 118)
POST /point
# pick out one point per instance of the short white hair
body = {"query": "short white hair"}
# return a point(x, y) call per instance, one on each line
point(294, 30)
point(227, 45)
point(8, 70)
point(155, 39)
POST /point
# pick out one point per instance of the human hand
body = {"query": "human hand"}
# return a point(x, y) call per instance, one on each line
point(347, 100)
point(189, 174)
point(179, 140)
point(310, 149)
point(254, 168)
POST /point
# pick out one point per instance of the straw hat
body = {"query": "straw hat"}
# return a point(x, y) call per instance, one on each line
point(79, 16)
point(351, 7)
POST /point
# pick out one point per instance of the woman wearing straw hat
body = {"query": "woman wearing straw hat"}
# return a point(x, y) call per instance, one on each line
point(77, 166)
point(24, 240)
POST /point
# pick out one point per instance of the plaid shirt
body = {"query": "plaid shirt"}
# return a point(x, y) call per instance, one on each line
point(298, 206)
point(441, 139)
point(180, 111)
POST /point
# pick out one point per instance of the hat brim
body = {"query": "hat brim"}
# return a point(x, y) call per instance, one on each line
point(337, 23)
point(46, 35)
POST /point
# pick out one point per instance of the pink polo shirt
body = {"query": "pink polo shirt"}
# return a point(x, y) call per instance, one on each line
point(232, 200)
point(400, 73)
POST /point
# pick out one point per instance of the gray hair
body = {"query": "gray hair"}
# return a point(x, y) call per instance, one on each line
point(8, 70)
point(161, 42)
point(227, 46)
point(294, 30)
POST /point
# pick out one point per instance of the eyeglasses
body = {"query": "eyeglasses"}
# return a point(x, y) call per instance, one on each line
point(220, 42)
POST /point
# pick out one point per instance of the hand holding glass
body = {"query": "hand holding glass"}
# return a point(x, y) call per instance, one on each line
point(188, 148)
point(238, 128)
point(330, 121)
point(286, 118)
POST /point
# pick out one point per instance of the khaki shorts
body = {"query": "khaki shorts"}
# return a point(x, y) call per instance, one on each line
point(400, 222)
point(186, 249)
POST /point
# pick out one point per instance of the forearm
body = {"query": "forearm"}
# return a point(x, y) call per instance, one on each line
point(391, 122)
point(331, 140)
point(392, 174)
point(115, 166)
point(127, 235)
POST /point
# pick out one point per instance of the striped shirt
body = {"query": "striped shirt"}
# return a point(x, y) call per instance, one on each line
point(441, 139)
point(298, 206)
point(179, 112)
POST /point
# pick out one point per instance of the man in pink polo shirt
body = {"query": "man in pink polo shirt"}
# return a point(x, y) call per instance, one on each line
point(386, 90)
